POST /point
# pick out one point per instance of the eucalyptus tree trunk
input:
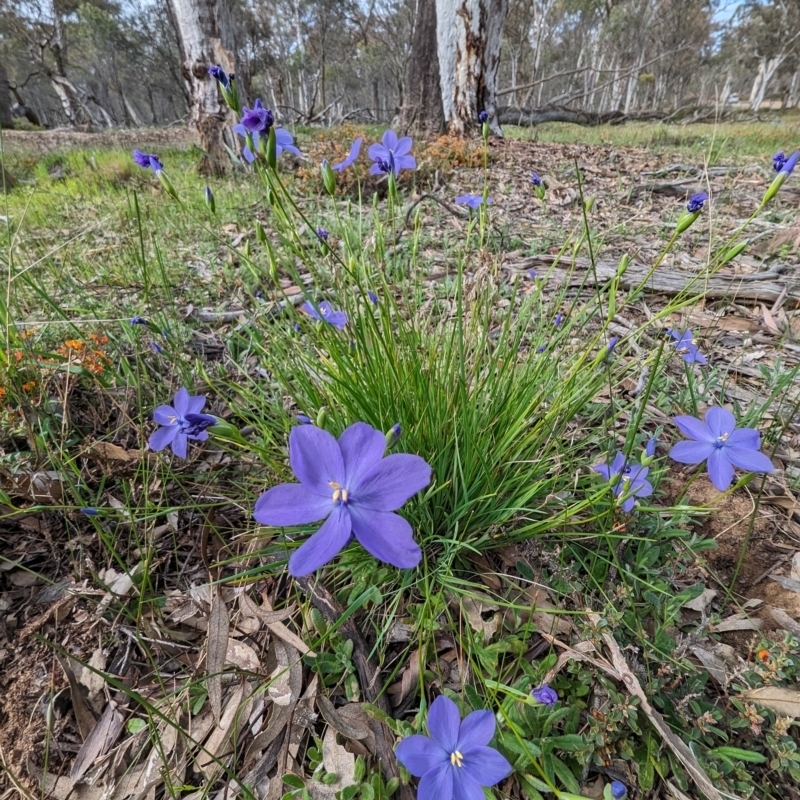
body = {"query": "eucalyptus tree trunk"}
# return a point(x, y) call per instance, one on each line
point(422, 95)
point(767, 67)
point(6, 120)
point(206, 33)
point(468, 35)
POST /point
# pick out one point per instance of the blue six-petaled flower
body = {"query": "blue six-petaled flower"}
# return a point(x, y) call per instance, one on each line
point(148, 160)
point(391, 155)
point(355, 149)
point(325, 312)
point(354, 488)
point(474, 201)
point(628, 480)
point(696, 202)
point(455, 761)
point(686, 345)
point(181, 422)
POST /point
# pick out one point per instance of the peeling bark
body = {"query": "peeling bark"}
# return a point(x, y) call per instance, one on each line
point(206, 32)
point(6, 120)
point(469, 35)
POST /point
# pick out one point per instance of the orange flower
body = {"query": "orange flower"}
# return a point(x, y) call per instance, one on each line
point(74, 344)
point(763, 655)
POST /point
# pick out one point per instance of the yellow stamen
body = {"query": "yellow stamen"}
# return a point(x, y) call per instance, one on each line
point(344, 495)
point(456, 759)
point(336, 495)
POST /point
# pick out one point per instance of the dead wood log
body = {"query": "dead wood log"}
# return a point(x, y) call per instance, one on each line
point(511, 115)
point(765, 287)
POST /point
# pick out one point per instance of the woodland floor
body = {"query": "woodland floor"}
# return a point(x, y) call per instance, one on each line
point(53, 599)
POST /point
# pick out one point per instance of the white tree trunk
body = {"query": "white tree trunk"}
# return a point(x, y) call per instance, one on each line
point(468, 35)
point(206, 33)
point(767, 67)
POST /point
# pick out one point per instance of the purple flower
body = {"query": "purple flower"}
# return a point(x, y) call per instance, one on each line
point(180, 422)
point(156, 348)
point(483, 117)
point(778, 160)
point(322, 234)
point(718, 441)
point(257, 120)
point(650, 447)
point(686, 345)
point(148, 160)
point(788, 166)
point(139, 321)
point(283, 141)
point(354, 489)
point(535, 179)
point(532, 274)
point(303, 419)
point(90, 512)
point(373, 298)
point(355, 149)
point(220, 75)
point(558, 320)
point(392, 155)
point(696, 202)
point(612, 343)
point(545, 695)
point(472, 200)
point(618, 790)
point(541, 348)
point(326, 313)
point(628, 481)
point(455, 762)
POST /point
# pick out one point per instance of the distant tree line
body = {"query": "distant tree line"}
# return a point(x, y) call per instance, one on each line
point(103, 63)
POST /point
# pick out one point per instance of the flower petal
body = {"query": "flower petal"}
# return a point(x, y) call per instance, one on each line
point(375, 170)
point(377, 151)
point(291, 504)
point(162, 437)
point(476, 730)
point(362, 448)
point(391, 482)
point(405, 162)
point(627, 505)
point(444, 722)
point(619, 463)
point(248, 154)
point(196, 404)
point(181, 402)
point(643, 489)
point(165, 415)
point(694, 428)
point(604, 470)
point(437, 784)
point(323, 545)
point(720, 470)
point(486, 765)
point(750, 460)
point(466, 786)
point(720, 421)
point(386, 536)
point(420, 754)
point(748, 438)
point(691, 452)
point(389, 139)
point(403, 146)
point(315, 459)
point(180, 445)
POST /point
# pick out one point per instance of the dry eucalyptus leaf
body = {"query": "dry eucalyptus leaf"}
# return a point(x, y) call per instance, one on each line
point(112, 452)
point(218, 627)
point(338, 762)
point(242, 655)
point(474, 610)
point(780, 699)
point(99, 741)
point(700, 603)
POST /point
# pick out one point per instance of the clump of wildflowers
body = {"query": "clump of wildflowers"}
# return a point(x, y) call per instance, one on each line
point(325, 312)
point(455, 762)
point(354, 488)
point(717, 441)
point(391, 155)
point(628, 481)
point(180, 423)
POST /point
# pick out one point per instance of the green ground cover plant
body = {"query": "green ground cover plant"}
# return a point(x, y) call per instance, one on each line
point(543, 597)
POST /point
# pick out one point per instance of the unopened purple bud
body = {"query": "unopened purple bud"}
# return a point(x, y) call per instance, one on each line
point(618, 790)
point(322, 234)
point(394, 434)
point(90, 512)
point(545, 695)
point(532, 274)
point(696, 202)
point(156, 348)
point(790, 163)
point(558, 320)
point(778, 160)
point(139, 321)
point(650, 447)
point(541, 348)
point(612, 343)
point(372, 297)
point(483, 117)
point(535, 179)
point(210, 201)
point(219, 74)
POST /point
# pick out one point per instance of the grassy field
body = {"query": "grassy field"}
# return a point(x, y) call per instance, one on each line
point(153, 641)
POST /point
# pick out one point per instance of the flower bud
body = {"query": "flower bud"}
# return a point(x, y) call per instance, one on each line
point(210, 202)
point(322, 416)
point(167, 184)
point(393, 434)
point(328, 177)
point(733, 252)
